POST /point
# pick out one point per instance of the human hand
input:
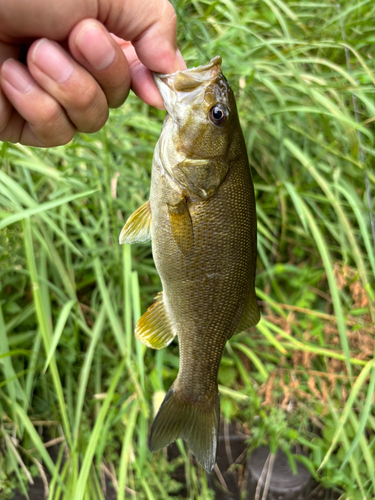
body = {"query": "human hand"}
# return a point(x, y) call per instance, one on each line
point(82, 57)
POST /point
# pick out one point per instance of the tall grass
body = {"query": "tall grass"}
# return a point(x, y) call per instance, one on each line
point(71, 372)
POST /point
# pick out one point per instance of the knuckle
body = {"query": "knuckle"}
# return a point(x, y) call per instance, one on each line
point(50, 114)
point(170, 12)
point(89, 98)
point(3, 124)
point(96, 123)
point(135, 65)
point(57, 139)
point(5, 113)
point(90, 113)
point(10, 135)
point(52, 127)
point(3, 130)
point(170, 16)
point(118, 100)
point(117, 97)
point(12, 130)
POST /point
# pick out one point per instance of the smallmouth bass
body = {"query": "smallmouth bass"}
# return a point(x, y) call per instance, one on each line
point(201, 220)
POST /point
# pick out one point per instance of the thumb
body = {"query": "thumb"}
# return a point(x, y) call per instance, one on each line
point(151, 26)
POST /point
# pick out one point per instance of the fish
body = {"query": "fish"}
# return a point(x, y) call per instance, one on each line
point(201, 219)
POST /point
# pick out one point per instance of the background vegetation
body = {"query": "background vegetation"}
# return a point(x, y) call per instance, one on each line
point(71, 372)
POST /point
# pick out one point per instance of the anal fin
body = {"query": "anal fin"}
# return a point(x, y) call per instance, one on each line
point(182, 226)
point(154, 328)
point(138, 227)
point(250, 315)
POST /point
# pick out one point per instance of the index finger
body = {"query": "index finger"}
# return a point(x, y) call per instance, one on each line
point(149, 24)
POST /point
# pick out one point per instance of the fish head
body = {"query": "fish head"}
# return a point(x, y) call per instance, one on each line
point(199, 127)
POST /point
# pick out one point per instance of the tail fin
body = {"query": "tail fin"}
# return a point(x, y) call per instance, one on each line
point(181, 419)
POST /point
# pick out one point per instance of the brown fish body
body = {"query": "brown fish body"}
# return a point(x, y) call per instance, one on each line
point(203, 229)
point(206, 290)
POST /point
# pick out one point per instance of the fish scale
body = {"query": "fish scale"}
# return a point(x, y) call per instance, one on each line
point(201, 219)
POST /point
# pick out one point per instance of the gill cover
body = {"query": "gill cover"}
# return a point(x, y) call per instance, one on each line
point(195, 139)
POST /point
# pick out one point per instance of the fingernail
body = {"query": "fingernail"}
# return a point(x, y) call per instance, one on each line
point(17, 76)
point(181, 60)
point(95, 46)
point(51, 59)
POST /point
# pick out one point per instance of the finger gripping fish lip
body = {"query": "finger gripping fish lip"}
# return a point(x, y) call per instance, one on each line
point(215, 62)
point(189, 85)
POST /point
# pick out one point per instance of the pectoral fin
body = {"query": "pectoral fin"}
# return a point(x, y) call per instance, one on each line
point(138, 227)
point(250, 315)
point(154, 328)
point(182, 227)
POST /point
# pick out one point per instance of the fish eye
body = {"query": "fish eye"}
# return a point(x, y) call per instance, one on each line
point(218, 114)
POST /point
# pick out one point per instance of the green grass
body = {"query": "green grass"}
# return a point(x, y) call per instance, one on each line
point(70, 368)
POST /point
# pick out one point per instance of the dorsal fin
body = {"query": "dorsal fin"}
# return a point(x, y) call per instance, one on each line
point(154, 328)
point(138, 227)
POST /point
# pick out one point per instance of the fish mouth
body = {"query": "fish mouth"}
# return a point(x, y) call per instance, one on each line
point(188, 85)
point(216, 61)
